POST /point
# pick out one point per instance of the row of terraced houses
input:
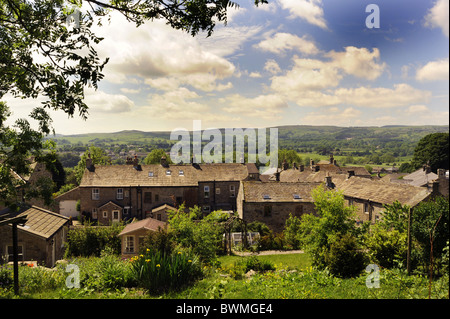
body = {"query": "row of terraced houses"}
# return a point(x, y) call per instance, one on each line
point(109, 193)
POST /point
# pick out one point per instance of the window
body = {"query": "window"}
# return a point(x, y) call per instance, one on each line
point(217, 191)
point(148, 197)
point(232, 191)
point(115, 215)
point(150, 174)
point(127, 194)
point(10, 253)
point(266, 196)
point(267, 211)
point(366, 208)
point(296, 196)
point(350, 202)
point(181, 172)
point(168, 172)
point(95, 194)
point(126, 210)
point(206, 191)
point(119, 194)
point(129, 244)
point(105, 214)
point(158, 216)
point(94, 213)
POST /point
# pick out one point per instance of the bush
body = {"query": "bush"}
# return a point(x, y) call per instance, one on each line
point(343, 258)
point(90, 241)
point(386, 247)
point(162, 241)
point(292, 232)
point(6, 277)
point(158, 272)
point(271, 242)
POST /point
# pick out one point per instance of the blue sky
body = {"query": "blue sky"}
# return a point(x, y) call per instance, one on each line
point(292, 62)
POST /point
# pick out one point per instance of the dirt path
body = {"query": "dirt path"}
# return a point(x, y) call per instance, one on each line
point(268, 252)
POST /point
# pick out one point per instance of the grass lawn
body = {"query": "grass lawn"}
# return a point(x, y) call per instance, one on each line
point(282, 261)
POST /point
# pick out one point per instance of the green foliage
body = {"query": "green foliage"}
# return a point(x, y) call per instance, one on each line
point(90, 241)
point(154, 157)
point(203, 236)
point(157, 271)
point(344, 258)
point(98, 156)
point(431, 224)
point(433, 149)
point(395, 216)
point(292, 232)
point(386, 247)
point(290, 156)
point(162, 241)
point(333, 218)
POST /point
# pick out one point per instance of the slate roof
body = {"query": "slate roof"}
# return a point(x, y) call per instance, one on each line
point(156, 175)
point(148, 224)
point(420, 177)
point(382, 192)
point(255, 191)
point(42, 222)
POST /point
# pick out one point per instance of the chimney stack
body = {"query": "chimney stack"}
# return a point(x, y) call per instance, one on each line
point(332, 159)
point(328, 181)
point(350, 174)
point(89, 163)
point(302, 168)
point(164, 162)
point(277, 176)
point(285, 165)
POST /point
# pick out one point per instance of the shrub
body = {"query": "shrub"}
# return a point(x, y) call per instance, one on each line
point(292, 232)
point(386, 247)
point(6, 277)
point(343, 258)
point(90, 241)
point(157, 271)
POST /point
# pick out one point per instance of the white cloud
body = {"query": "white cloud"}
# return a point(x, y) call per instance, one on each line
point(437, 16)
point(401, 95)
point(309, 10)
point(155, 50)
point(282, 42)
point(272, 67)
point(433, 71)
point(333, 116)
point(262, 106)
point(359, 62)
point(415, 109)
point(99, 101)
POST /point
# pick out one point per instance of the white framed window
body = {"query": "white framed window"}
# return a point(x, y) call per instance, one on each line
point(119, 194)
point(168, 172)
point(181, 172)
point(95, 194)
point(206, 191)
point(126, 210)
point(129, 244)
point(232, 191)
point(150, 174)
point(115, 215)
point(127, 194)
point(217, 191)
point(105, 214)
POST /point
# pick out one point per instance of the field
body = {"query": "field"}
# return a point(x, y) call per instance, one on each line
point(292, 277)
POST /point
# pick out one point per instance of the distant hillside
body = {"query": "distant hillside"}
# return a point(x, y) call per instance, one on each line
point(399, 140)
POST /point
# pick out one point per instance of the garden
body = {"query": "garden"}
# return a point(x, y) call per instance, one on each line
point(340, 259)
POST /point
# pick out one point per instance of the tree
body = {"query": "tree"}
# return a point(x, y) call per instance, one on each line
point(154, 157)
point(41, 55)
point(334, 219)
point(98, 156)
point(432, 150)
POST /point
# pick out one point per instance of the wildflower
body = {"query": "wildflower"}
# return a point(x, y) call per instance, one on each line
point(189, 261)
point(158, 265)
point(148, 250)
point(141, 255)
point(148, 260)
point(179, 253)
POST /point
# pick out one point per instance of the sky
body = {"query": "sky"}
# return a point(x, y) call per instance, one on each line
point(289, 62)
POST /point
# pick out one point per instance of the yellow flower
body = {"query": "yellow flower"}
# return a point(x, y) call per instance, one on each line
point(179, 253)
point(158, 265)
point(189, 261)
point(148, 260)
point(148, 250)
point(141, 255)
